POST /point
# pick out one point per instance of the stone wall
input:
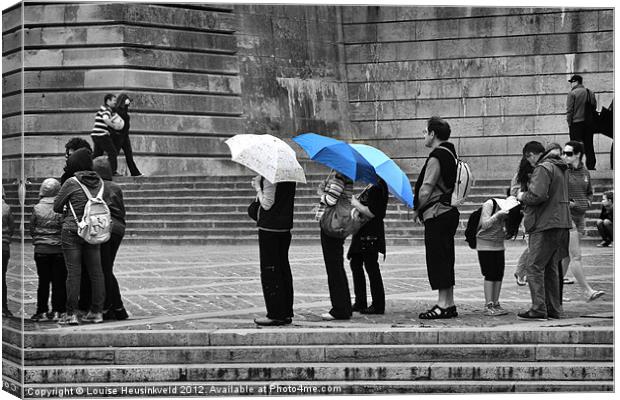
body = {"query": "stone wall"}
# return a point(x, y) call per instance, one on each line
point(199, 74)
point(498, 75)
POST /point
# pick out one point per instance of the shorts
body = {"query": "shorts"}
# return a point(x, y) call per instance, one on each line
point(579, 222)
point(492, 265)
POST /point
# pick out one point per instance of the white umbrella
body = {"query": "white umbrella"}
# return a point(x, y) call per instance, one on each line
point(267, 155)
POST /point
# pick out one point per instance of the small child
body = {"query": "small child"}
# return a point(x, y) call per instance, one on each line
point(605, 223)
point(490, 247)
point(7, 232)
point(45, 229)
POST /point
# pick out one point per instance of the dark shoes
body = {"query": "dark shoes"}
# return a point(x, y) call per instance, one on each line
point(358, 307)
point(372, 310)
point(118, 315)
point(439, 313)
point(533, 316)
point(604, 243)
point(272, 322)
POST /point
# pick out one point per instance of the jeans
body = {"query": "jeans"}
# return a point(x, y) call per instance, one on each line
point(78, 252)
point(522, 263)
point(51, 270)
point(5, 264)
point(367, 260)
point(275, 273)
point(113, 299)
point(579, 131)
point(105, 144)
point(333, 250)
point(546, 250)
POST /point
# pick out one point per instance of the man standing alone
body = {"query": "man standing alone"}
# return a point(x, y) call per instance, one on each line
point(433, 192)
point(579, 103)
point(101, 133)
point(547, 220)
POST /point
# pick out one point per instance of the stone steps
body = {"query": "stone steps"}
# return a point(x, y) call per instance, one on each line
point(352, 359)
point(206, 209)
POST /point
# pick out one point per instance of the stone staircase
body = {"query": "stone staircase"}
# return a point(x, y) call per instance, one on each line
point(208, 209)
point(285, 361)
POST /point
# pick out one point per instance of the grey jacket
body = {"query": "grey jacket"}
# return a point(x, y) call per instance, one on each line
point(45, 227)
point(546, 199)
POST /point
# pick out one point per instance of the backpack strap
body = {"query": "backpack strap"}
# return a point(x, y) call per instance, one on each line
point(456, 160)
point(99, 194)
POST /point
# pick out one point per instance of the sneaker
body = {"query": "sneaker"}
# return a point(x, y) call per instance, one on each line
point(568, 281)
point(69, 319)
point(39, 317)
point(54, 316)
point(272, 322)
point(595, 295)
point(499, 310)
point(532, 316)
point(327, 317)
point(604, 243)
point(92, 317)
point(521, 280)
point(489, 310)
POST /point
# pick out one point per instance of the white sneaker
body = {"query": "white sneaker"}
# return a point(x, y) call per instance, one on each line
point(499, 310)
point(327, 317)
point(489, 310)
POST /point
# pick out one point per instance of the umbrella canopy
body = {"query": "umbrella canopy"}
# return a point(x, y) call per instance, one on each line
point(396, 180)
point(267, 155)
point(338, 155)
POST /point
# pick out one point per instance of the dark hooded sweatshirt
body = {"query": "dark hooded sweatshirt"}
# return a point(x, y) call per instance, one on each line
point(546, 199)
point(72, 192)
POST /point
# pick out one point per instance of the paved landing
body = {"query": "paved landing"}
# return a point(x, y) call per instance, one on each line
point(211, 287)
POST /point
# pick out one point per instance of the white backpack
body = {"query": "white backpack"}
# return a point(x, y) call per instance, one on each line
point(464, 181)
point(96, 222)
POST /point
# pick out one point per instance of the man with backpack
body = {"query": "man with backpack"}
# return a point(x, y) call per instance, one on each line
point(547, 220)
point(433, 205)
point(580, 115)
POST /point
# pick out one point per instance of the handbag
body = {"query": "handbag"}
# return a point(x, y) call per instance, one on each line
point(253, 209)
point(337, 221)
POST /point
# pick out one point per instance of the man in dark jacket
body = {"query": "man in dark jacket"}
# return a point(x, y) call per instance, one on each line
point(547, 220)
point(275, 221)
point(580, 125)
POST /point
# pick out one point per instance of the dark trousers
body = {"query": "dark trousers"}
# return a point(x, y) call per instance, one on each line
point(439, 244)
point(122, 142)
point(275, 273)
point(5, 264)
point(77, 253)
point(580, 131)
point(333, 251)
point(367, 260)
point(51, 271)
point(113, 300)
point(105, 144)
point(605, 229)
point(546, 249)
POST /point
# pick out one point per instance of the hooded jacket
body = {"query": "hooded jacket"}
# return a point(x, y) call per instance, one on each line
point(45, 227)
point(546, 199)
point(80, 160)
point(113, 196)
point(72, 192)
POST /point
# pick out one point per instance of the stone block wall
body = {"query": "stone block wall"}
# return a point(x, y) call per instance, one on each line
point(178, 63)
point(498, 75)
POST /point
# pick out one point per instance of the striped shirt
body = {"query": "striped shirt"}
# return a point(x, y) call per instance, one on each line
point(101, 128)
point(334, 189)
point(579, 189)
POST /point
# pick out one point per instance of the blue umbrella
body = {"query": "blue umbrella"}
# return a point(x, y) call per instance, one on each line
point(337, 155)
point(396, 180)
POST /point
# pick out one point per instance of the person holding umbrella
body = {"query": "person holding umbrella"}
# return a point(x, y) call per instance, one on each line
point(278, 169)
point(365, 247)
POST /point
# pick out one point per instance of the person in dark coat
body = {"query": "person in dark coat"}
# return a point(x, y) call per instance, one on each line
point(71, 147)
point(121, 138)
point(365, 247)
point(275, 221)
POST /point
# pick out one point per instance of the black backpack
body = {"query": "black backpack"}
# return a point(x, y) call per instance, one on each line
point(473, 223)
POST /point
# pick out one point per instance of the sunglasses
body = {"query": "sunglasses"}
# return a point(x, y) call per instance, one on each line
point(568, 153)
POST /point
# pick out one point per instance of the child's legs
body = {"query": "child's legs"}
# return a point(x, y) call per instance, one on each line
point(59, 284)
point(5, 264)
point(44, 272)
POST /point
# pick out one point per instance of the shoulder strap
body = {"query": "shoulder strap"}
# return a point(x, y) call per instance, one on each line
point(452, 154)
point(494, 206)
point(84, 188)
